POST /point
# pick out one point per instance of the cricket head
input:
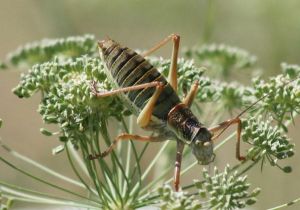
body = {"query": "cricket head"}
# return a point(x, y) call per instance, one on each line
point(183, 123)
point(202, 147)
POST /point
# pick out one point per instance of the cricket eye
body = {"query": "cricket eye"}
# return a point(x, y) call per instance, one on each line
point(197, 142)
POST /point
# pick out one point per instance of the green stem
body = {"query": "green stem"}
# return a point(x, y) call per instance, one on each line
point(43, 181)
point(22, 194)
point(154, 182)
point(128, 188)
point(77, 158)
point(137, 166)
point(110, 176)
point(85, 151)
point(155, 159)
point(39, 166)
point(286, 204)
point(93, 137)
point(76, 171)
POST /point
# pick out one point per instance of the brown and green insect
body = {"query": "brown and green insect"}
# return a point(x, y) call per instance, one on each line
point(155, 101)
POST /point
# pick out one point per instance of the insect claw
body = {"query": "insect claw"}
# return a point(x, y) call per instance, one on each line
point(91, 157)
point(241, 158)
point(160, 84)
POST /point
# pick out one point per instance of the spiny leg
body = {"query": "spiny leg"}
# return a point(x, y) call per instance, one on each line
point(172, 77)
point(145, 115)
point(122, 137)
point(120, 90)
point(180, 147)
point(189, 98)
point(223, 126)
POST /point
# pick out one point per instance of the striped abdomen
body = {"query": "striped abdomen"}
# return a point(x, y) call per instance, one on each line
point(127, 68)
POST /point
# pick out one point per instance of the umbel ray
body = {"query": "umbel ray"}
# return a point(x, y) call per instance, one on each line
point(154, 100)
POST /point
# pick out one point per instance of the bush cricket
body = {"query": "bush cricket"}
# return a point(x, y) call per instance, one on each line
point(154, 100)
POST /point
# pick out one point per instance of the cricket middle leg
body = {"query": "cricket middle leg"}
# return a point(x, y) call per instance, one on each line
point(122, 137)
point(180, 147)
point(189, 98)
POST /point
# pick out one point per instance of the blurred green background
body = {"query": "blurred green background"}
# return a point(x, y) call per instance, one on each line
point(268, 29)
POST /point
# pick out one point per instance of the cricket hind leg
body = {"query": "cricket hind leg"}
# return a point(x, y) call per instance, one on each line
point(172, 77)
point(99, 94)
point(223, 126)
point(122, 137)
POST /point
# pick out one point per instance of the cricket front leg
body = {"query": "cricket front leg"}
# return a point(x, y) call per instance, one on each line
point(145, 115)
point(189, 98)
point(180, 147)
point(223, 126)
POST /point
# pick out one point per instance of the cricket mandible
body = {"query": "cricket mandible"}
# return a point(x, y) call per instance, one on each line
point(154, 100)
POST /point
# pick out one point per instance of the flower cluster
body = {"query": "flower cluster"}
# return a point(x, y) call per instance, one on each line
point(268, 142)
point(67, 98)
point(47, 49)
point(176, 200)
point(222, 58)
point(226, 190)
point(293, 71)
point(282, 97)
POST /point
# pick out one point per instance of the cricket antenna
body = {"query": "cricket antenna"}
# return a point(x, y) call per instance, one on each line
point(247, 109)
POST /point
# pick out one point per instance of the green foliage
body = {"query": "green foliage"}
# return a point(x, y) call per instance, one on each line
point(176, 200)
point(283, 97)
point(47, 49)
point(226, 190)
point(67, 99)
point(293, 71)
point(221, 58)
point(268, 142)
point(63, 71)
